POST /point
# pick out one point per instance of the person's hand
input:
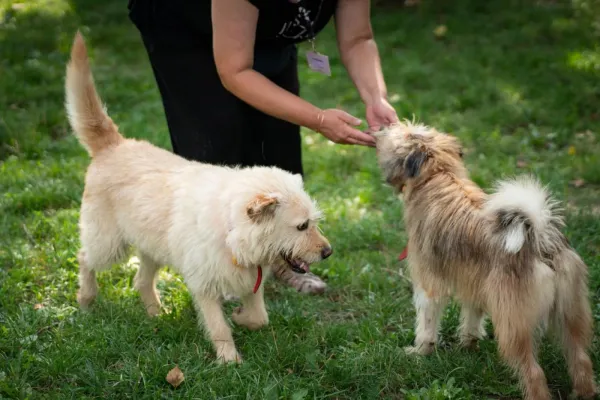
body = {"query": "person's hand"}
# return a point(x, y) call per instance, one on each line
point(379, 114)
point(338, 126)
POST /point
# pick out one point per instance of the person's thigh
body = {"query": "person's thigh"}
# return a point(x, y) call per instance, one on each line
point(278, 142)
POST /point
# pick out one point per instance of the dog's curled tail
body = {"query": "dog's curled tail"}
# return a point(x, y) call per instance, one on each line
point(87, 116)
point(525, 215)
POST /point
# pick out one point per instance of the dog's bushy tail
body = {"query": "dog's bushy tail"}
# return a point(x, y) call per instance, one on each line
point(87, 116)
point(525, 215)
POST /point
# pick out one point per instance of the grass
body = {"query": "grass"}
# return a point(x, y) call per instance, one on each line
point(517, 81)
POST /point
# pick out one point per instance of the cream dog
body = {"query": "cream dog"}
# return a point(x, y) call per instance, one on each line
point(501, 254)
point(219, 227)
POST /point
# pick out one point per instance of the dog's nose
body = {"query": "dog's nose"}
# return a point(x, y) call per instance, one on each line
point(326, 252)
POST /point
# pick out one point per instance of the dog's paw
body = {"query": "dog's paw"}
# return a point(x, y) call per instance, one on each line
point(421, 350)
point(153, 310)
point(85, 300)
point(229, 356)
point(251, 320)
point(469, 342)
point(586, 391)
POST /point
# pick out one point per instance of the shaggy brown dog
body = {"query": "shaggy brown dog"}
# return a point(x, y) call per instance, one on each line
point(502, 254)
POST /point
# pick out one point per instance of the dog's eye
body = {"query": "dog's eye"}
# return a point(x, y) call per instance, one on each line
point(461, 154)
point(303, 226)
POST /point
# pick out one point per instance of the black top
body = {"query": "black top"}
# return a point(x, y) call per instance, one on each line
point(284, 21)
point(280, 22)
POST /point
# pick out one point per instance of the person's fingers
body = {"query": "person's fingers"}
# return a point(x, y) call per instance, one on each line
point(351, 140)
point(349, 119)
point(393, 119)
point(392, 116)
point(356, 141)
point(363, 137)
point(354, 136)
point(374, 128)
point(365, 144)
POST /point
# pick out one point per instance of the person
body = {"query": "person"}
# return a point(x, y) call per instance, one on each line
point(227, 72)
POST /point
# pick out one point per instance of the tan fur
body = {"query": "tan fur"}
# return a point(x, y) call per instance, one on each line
point(497, 254)
point(90, 122)
point(215, 225)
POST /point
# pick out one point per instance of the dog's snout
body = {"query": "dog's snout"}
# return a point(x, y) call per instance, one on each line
point(326, 252)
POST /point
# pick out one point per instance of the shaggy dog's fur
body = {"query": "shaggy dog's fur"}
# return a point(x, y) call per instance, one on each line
point(215, 225)
point(502, 254)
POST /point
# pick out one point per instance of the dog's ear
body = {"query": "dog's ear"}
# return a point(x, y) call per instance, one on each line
point(262, 206)
point(414, 162)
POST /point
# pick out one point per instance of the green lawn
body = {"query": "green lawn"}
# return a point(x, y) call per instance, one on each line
point(517, 81)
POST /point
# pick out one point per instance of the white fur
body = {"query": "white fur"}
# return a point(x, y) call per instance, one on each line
point(214, 225)
point(429, 314)
point(526, 196)
point(514, 238)
point(194, 218)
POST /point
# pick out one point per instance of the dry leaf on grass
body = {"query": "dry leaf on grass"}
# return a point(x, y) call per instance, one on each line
point(578, 183)
point(38, 306)
point(175, 377)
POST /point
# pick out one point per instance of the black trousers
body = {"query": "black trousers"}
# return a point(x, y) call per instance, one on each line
point(206, 122)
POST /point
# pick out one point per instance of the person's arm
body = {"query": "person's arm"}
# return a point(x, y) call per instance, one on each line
point(360, 56)
point(234, 30)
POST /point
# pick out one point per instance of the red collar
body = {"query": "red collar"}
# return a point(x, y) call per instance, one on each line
point(258, 277)
point(258, 280)
point(404, 254)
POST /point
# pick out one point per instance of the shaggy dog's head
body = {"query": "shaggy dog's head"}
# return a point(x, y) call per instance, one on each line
point(277, 222)
point(409, 153)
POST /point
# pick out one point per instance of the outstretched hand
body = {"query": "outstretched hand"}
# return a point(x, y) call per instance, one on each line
point(339, 127)
point(380, 114)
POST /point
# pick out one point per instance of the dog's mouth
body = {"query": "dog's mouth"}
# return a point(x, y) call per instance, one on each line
point(296, 264)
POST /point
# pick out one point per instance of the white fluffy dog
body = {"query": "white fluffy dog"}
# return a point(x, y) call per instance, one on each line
point(219, 227)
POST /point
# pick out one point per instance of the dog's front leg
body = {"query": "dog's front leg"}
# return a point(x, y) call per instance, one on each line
point(429, 312)
point(218, 329)
point(253, 314)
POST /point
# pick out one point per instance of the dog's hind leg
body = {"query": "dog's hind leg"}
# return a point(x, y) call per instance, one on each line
point(88, 286)
point(472, 326)
point(429, 313)
point(145, 283)
point(573, 323)
point(218, 329)
point(515, 334)
point(576, 340)
point(101, 247)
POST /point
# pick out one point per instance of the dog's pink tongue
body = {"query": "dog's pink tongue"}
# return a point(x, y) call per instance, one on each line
point(305, 266)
